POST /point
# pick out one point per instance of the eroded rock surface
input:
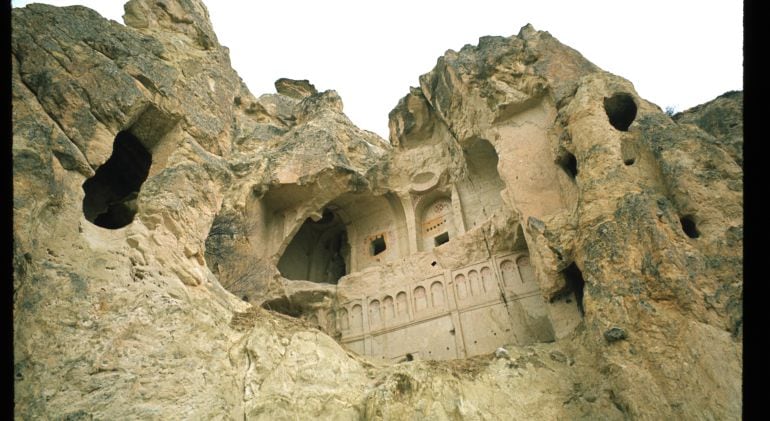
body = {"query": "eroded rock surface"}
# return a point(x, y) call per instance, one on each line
point(534, 241)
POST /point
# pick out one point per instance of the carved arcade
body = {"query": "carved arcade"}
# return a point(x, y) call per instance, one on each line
point(453, 313)
point(459, 313)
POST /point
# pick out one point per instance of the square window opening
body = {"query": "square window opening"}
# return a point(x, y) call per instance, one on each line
point(441, 239)
point(378, 245)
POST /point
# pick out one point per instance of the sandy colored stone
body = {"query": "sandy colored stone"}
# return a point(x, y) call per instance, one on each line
point(514, 160)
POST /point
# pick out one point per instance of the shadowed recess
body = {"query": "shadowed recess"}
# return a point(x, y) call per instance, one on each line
point(319, 251)
point(284, 306)
point(689, 227)
point(110, 195)
point(575, 283)
point(568, 163)
point(621, 110)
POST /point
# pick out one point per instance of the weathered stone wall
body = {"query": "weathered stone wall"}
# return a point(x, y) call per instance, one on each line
point(628, 303)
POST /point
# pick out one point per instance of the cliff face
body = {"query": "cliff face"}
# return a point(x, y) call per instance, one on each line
point(159, 206)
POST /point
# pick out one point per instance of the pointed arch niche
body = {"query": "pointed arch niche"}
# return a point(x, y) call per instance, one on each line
point(480, 191)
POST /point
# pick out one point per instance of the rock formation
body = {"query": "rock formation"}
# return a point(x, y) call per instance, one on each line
point(534, 241)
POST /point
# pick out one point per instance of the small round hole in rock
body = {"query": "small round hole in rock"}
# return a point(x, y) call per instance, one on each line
point(629, 161)
point(689, 227)
point(621, 110)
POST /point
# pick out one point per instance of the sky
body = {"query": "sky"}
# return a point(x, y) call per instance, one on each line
point(677, 53)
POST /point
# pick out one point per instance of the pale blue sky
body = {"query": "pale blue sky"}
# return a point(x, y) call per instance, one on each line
point(677, 53)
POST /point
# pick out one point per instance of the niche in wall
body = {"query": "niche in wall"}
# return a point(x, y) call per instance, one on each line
point(436, 223)
point(376, 228)
point(377, 245)
point(480, 191)
point(318, 252)
point(355, 231)
point(441, 239)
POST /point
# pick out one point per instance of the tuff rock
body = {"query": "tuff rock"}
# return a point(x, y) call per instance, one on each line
point(173, 285)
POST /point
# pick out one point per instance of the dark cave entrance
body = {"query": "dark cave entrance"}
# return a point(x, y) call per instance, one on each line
point(319, 252)
point(621, 110)
point(110, 195)
point(575, 283)
point(569, 164)
point(689, 227)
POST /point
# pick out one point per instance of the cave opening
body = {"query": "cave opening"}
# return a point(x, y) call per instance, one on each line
point(319, 252)
point(111, 193)
point(621, 110)
point(568, 163)
point(689, 227)
point(575, 283)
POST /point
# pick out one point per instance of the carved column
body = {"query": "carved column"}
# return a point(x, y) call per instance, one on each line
point(411, 222)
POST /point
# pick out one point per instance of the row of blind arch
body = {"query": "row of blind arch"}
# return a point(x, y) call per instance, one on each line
point(474, 284)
